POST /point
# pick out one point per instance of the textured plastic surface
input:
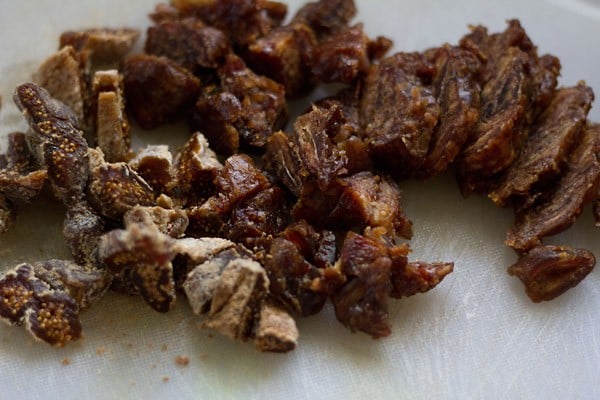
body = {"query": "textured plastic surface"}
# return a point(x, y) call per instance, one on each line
point(475, 336)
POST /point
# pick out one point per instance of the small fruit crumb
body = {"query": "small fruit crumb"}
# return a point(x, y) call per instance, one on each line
point(182, 361)
point(163, 347)
point(66, 361)
point(165, 379)
point(101, 350)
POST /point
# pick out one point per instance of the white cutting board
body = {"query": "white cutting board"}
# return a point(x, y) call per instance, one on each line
point(475, 336)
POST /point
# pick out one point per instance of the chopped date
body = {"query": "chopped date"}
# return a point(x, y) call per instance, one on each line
point(545, 151)
point(361, 304)
point(418, 277)
point(244, 21)
point(247, 109)
point(399, 112)
point(343, 57)
point(285, 55)
point(549, 271)
point(457, 92)
point(501, 127)
point(188, 42)
point(326, 17)
point(577, 187)
point(158, 89)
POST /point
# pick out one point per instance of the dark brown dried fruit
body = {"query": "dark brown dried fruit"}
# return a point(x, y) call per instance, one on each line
point(244, 21)
point(7, 215)
point(115, 188)
point(55, 140)
point(196, 168)
point(457, 92)
point(361, 304)
point(154, 164)
point(157, 89)
point(255, 221)
point(326, 17)
point(565, 201)
point(545, 151)
point(370, 200)
point(104, 47)
point(300, 268)
point(249, 108)
point(418, 277)
point(399, 112)
point(549, 271)
point(188, 42)
point(144, 255)
point(501, 128)
point(285, 55)
point(596, 211)
point(82, 229)
point(342, 57)
point(310, 153)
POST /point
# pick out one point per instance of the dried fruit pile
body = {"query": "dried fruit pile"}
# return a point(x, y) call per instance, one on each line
point(315, 214)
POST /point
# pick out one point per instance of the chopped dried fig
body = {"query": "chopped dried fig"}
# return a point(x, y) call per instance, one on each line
point(242, 286)
point(112, 125)
point(82, 229)
point(171, 222)
point(154, 163)
point(276, 331)
point(115, 188)
point(56, 141)
point(104, 47)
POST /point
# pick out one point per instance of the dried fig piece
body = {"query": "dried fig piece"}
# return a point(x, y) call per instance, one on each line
point(196, 168)
point(116, 188)
point(82, 229)
point(55, 140)
point(47, 297)
point(143, 254)
point(62, 77)
point(111, 123)
point(276, 331)
point(104, 47)
point(564, 202)
point(171, 222)
point(549, 271)
point(545, 151)
point(242, 287)
point(154, 163)
point(188, 42)
point(7, 215)
point(157, 89)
